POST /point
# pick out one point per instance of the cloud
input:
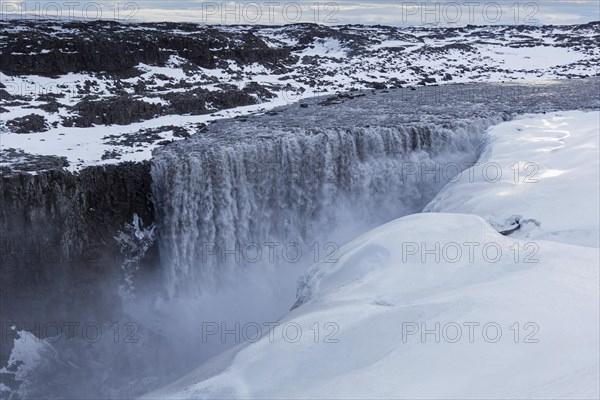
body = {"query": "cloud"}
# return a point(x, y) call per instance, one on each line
point(399, 13)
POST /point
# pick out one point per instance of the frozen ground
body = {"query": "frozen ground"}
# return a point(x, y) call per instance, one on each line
point(153, 83)
point(439, 304)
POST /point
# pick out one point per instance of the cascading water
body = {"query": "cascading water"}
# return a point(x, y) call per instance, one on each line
point(321, 173)
point(218, 199)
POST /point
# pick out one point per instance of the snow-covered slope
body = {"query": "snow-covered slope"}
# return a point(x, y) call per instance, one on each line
point(101, 92)
point(542, 172)
point(440, 304)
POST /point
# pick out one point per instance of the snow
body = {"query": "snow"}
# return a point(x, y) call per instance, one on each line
point(394, 43)
point(84, 147)
point(439, 304)
point(527, 58)
point(325, 48)
point(336, 68)
point(551, 160)
point(26, 353)
point(172, 69)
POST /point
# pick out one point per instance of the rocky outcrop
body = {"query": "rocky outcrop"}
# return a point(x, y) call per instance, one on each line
point(106, 46)
point(195, 101)
point(117, 110)
point(29, 123)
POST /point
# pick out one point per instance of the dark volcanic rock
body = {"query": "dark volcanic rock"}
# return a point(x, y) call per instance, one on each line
point(196, 101)
point(118, 66)
point(20, 161)
point(378, 85)
point(52, 106)
point(4, 95)
point(121, 110)
point(427, 80)
point(28, 124)
point(108, 47)
point(61, 261)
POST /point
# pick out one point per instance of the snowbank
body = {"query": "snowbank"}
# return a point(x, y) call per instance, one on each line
point(441, 305)
point(543, 168)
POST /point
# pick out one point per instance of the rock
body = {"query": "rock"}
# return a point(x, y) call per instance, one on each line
point(378, 85)
point(426, 80)
point(104, 47)
point(28, 124)
point(51, 107)
point(19, 161)
point(61, 261)
point(4, 95)
point(122, 110)
point(111, 155)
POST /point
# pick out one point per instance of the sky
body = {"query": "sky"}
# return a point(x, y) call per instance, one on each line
point(271, 12)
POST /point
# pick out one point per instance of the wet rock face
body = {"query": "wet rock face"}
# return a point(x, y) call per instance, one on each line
point(60, 260)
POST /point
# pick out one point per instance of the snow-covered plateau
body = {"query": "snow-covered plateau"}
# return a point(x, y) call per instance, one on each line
point(441, 305)
point(102, 92)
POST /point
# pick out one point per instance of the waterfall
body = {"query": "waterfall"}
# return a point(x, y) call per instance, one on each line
point(321, 174)
point(216, 198)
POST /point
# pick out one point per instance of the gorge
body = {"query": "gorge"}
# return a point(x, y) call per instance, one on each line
point(163, 244)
